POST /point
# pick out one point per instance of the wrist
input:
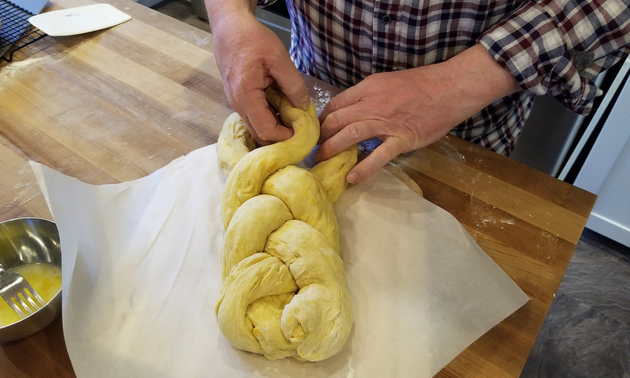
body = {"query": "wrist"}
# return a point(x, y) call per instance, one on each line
point(220, 11)
point(479, 77)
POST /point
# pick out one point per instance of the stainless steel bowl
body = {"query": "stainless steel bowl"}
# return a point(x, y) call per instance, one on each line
point(27, 241)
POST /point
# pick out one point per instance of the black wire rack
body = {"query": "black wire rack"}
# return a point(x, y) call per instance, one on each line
point(15, 31)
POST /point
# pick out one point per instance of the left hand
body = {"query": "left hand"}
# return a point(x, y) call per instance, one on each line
point(412, 108)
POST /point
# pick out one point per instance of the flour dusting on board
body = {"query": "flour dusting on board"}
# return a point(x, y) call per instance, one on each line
point(15, 68)
point(449, 150)
point(200, 40)
point(24, 63)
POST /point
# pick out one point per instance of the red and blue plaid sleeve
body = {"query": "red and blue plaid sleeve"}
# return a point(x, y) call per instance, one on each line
point(557, 47)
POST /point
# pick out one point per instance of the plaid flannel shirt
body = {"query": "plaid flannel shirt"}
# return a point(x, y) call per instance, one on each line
point(552, 47)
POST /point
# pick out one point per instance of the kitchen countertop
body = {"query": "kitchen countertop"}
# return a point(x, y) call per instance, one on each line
point(118, 104)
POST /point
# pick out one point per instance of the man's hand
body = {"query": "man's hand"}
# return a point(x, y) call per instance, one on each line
point(250, 58)
point(412, 108)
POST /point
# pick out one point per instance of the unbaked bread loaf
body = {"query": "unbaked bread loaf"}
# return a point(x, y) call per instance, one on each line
point(284, 290)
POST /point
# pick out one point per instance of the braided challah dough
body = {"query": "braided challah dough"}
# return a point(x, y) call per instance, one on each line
point(284, 288)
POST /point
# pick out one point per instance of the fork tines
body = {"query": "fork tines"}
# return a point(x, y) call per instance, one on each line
point(26, 301)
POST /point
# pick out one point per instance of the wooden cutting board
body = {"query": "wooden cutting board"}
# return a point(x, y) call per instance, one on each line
point(118, 104)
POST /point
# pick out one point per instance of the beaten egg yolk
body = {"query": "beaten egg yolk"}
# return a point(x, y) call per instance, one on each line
point(45, 278)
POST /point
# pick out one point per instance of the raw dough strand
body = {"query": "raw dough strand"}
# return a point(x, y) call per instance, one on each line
point(332, 173)
point(252, 170)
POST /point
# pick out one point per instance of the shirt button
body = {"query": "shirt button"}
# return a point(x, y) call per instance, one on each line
point(386, 19)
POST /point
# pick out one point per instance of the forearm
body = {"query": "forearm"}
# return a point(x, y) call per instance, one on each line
point(478, 79)
point(219, 10)
point(539, 41)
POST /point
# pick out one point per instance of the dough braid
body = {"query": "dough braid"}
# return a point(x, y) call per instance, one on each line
point(284, 288)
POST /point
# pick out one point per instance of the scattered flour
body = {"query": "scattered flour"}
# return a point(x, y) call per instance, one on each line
point(350, 368)
point(322, 97)
point(15, 68)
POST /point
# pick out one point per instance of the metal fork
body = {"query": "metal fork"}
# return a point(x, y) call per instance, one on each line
point(18, 293)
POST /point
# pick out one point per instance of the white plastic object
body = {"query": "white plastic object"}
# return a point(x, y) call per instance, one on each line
point(78, 20)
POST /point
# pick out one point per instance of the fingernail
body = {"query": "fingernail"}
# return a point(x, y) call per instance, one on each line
point(352, 177)
point(305, 102)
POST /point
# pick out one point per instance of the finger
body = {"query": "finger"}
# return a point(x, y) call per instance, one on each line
point(387, 151)
point(346, 98)
point(267, 135)
point(290, 81)
point(252, 132)
point(275, 113)
point(348, 136)
point(267, 81)
point(337, 120)
point(263, 121)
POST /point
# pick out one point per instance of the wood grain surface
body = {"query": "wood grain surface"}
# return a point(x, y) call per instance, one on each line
point(118, 104)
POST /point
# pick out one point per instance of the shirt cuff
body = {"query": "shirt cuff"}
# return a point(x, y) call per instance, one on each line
point(530, 44)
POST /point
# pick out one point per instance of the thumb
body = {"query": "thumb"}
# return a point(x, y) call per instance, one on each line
point(290, 81)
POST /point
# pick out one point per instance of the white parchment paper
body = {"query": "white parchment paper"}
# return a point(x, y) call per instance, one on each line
point(141, 275)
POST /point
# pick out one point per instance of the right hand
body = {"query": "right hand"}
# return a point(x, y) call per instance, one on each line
point(250, 58)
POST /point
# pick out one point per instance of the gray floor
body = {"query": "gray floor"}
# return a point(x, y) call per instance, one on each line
point(587, 330)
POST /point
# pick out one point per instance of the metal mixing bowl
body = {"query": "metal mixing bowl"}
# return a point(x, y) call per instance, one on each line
point(27, 241)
